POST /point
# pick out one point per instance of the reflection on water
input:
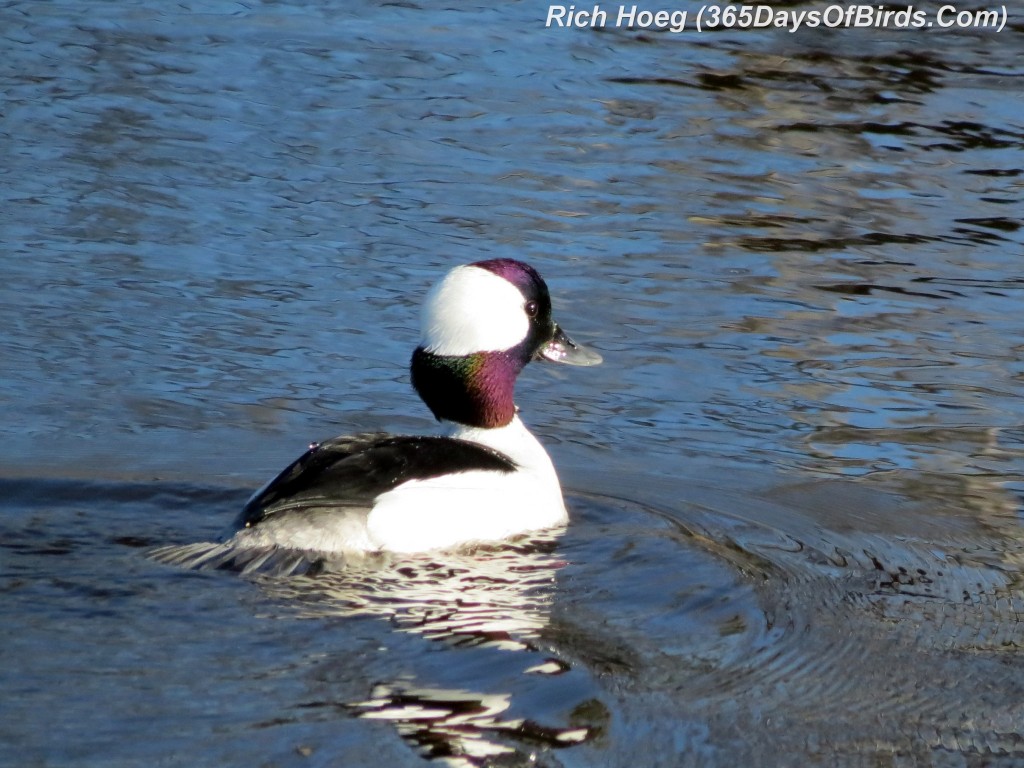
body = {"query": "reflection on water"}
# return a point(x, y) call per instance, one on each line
point(496, 596)
point(442, 723)
point(492, 599)
point(459, 726)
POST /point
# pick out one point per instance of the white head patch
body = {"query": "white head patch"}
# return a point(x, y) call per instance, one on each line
point(473, 310)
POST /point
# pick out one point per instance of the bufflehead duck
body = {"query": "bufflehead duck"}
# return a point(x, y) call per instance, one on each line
point(486, 479)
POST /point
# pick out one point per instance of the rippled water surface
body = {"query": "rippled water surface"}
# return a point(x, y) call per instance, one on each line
point(795, 483)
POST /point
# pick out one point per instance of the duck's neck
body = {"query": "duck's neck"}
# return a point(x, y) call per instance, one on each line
point(474, 390)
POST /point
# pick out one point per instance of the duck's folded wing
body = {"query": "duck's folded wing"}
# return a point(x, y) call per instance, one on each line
point(352, 471)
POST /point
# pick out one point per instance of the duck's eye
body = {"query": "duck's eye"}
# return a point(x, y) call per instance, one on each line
point(531, 309)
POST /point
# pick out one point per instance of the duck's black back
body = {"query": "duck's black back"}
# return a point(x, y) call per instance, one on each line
point(354, 470)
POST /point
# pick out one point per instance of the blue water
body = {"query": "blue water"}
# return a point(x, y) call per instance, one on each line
point(795, 483)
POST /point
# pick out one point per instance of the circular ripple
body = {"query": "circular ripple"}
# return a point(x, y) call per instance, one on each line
point(759, 627)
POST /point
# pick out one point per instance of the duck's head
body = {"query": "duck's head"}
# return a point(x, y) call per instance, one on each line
point(482, 323)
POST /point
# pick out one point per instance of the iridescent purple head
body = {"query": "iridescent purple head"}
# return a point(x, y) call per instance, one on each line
point(482, 323)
